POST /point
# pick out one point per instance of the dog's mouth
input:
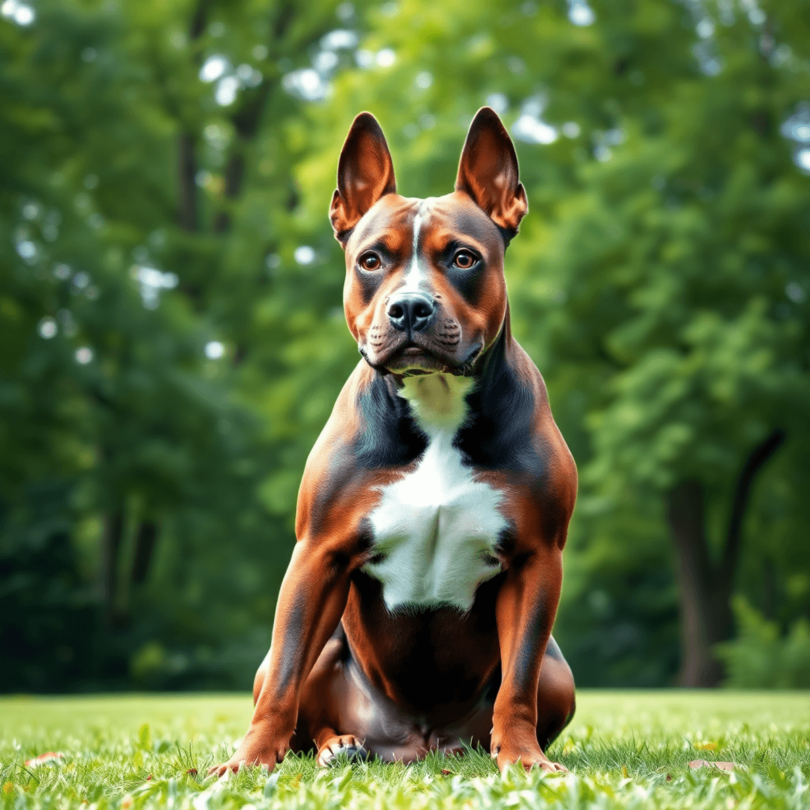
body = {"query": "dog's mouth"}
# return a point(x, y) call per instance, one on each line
point(413, 359)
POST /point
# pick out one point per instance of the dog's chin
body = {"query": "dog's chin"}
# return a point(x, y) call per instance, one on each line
point(414, 361)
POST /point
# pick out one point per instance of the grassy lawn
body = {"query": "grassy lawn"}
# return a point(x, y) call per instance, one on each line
point(624, 749)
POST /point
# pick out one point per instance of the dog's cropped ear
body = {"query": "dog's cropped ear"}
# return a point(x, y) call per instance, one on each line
point(365, 173)
point(488, 171)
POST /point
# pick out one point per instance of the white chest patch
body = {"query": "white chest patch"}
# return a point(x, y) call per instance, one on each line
point(436, 528)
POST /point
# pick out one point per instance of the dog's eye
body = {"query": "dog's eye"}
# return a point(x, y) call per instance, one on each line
point(370, 261)
point(464, 260)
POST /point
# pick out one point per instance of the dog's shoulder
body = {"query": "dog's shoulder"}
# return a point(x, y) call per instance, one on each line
point(513, 441)
point(367, 441)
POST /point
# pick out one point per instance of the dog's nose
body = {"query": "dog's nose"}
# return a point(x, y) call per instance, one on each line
point(410, 311)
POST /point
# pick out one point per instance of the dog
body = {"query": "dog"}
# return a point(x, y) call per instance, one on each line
point(417, 609)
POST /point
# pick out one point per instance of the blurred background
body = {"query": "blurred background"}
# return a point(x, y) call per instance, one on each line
point(172, 336)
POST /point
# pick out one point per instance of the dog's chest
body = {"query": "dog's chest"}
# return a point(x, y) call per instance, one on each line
point(435, 531)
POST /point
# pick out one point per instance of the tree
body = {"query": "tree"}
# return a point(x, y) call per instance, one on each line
point(662, 281)
point(173, 338)
point(145, 181)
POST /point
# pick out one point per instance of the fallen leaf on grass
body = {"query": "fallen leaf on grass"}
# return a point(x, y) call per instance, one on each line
point(445, 772)
point(705, 746)
point(723, 766)
point(192, 771)
point(625, 774)
point(44, 759)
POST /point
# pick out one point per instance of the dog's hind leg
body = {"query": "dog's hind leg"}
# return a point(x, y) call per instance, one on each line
point(324, 698)
point(261, 674)
point(555, 696)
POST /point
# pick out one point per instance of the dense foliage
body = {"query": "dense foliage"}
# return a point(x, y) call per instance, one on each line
point(173, 338)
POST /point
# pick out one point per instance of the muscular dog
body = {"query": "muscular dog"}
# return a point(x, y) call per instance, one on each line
point(417, 608)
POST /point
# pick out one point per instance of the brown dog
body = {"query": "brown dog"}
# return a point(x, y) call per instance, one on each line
point(416, 612)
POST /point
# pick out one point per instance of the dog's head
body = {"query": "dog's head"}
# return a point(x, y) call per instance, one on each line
point(425, 289)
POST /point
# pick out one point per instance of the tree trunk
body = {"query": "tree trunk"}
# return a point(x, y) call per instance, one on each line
point(705, 587)
point(145, 542)
point(111, 542)
point(187, 185)
point(187, 209)
point(702, 625)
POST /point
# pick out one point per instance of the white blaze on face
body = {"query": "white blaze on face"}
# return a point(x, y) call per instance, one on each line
point(416, 274)
point(436, 528)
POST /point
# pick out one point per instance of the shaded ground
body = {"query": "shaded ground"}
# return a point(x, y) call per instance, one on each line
point(624, 749)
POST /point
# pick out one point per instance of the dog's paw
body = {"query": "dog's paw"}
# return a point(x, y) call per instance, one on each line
point(529, 757)
point(251, 756)
point(342, 748)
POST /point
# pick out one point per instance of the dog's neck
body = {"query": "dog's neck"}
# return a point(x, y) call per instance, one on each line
point(442, 402)
point(438, 401)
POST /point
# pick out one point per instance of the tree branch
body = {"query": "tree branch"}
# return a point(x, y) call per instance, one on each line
point(753, 464)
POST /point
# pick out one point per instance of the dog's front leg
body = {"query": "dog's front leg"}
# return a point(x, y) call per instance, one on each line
point(525, 608)
point(312, 599)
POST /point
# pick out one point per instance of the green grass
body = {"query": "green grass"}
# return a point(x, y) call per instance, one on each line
point(624, 750)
